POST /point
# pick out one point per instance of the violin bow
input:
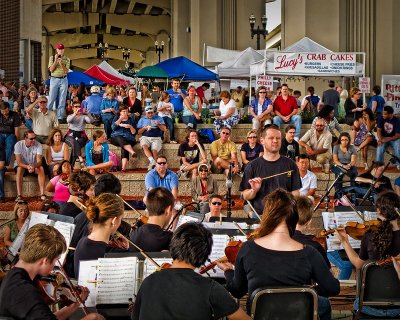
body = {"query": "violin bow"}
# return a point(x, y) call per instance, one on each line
point(354, 208)
point(397, 211)
point(289, 173)
point(254, 210)
point(129, 205)
point(239, 228)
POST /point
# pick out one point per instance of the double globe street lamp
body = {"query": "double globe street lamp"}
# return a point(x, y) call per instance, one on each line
point(263, 31)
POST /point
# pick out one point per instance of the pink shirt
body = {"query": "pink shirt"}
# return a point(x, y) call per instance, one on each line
point(60, 191)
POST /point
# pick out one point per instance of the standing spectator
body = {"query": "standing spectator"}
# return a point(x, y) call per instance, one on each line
point(201, 92)
point(353, 107)
point(331, 97)
point(227, 115)
point(165, 110)
point(97, 154)
point(177, 96)
point(364, 136)
point(251, 150)
point(308, 178)
point(92, 104)
point(388, 130)
point(28, 161)
point(261, 109)
point(57, 151)
point(145, 94)
point(134, 104)
point(109, 107)
point(155, 94)
point(76, 136)
point(238, 97)
point(285, 108)
point(341, 111)
point(310, 102)
point(151, 127)
point(376, 102)
point(59, 184)
point(223, 151)
point(58, 66)
point(31, 97)
point(43, 120)
point(190, 152)
point(203, 187)
point(9, 124)
point(328, 114)
point(297, 95)
point(289, 146)
point(123, 134)
point(192, 109)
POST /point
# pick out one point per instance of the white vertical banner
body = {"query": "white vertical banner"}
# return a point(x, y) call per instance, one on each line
point(364, 84)
point(266, 81)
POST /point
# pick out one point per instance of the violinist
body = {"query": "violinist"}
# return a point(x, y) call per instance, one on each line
point(152, 236)
point(59, 183)
point(105, 212)
point(185, 294)
point(19, 297)
point(378, 244)
point(11, 230)
point(274, 258)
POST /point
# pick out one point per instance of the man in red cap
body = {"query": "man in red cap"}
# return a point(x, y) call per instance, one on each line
point(58, 67)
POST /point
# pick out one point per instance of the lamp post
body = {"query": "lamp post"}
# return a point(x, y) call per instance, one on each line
point(159, 49)
point(258, 31)
point(126, 53)
point(103, 49)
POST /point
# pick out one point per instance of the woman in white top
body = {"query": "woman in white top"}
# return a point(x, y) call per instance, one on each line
point(227, 115)
point(192, 108)
point(165, 110)
point(57, 151)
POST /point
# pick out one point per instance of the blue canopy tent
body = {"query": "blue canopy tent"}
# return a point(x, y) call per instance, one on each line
point(185, 69)
point(76, 77)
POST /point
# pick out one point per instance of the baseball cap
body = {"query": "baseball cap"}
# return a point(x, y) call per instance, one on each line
point(60, 46)
point(95, 89)
point(149, 108)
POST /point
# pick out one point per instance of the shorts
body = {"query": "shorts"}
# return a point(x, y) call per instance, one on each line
point(154, 143)
point(26, 172)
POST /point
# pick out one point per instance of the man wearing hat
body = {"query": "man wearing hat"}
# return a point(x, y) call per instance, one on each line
point(58, 66)
point(151, 127)
point(92, 104)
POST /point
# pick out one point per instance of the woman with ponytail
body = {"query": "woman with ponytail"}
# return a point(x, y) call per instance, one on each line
point(105, 214)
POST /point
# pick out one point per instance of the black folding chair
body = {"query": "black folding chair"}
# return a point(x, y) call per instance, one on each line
point(378, 287)
point(282, 303)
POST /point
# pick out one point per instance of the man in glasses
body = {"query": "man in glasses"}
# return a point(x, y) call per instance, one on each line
point(43, 120)
point(215, 203)
point(28, 161)
point(223, 151)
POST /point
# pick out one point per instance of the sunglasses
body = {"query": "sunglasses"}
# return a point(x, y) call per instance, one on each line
point(262, 92)
point(226, 133)
point(42, 101)
point(216, 203)
point(252, 137)
point(203, 170)
point(31, 138)
point(163, 163)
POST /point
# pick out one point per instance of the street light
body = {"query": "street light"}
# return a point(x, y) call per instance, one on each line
point(126, 53)
point(103, 51)
point(258, 31)
point(159, 49)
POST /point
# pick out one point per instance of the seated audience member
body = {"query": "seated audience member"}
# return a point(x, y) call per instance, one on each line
point(9, 132)
point(261, 109)
point(153, 236)
point(215, 204)
point(92, 104)
point(76, 136)
point(20, 298)
point(28, 161)
point(105, 212)
point(59, 183)
point(354, 107)
point(11, 230)
point(151, 127)
point(388, 129)
point(123, 135)
point(378, 244)
point(80, 189)
point(190, 247)
point(57, 151)
point(98, 154)
point(363, 137)
point(133, 103)
point(285, 108)
point(269, 260)
point(308, 178)
point(327, 113)
point(165, 110)
point(50, 206)
point(223, 151)
point(161, 176)
point(317, 142)
point(203, 187)
point(190, 152)
point(252, 149)
point(304, 207)
point(192, 107)
point(109, 107)
point(227, 114)
point(290, 147)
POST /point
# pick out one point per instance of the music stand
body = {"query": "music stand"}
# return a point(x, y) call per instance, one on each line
point(326, 195)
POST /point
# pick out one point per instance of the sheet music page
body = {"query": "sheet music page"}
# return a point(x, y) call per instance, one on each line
point(149, 267)
point(88, 278)
point(218, 251)
point(116, 280)
point(66, 229)
point(36, 218)
point(184, 219)
point(17, 243)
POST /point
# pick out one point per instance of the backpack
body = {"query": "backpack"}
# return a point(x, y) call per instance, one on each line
point(205, 135)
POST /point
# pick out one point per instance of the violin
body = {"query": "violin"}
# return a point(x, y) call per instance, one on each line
point(354, 229)
point(387, 261)
point(231, 252)
point(141, 220)
point(64, 179)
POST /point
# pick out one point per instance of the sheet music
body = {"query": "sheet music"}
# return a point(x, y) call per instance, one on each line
point(116, 280)
point(332, 221)
point(66, 229)
point(17, 243)
point(185, 218)
point(88, 278)
point(36, 218)
point(149, 267)
point(220, 242)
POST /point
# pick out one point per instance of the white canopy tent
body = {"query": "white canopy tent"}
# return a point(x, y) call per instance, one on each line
point(104, 65)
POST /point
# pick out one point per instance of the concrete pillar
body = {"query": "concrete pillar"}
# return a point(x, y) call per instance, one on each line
point(180, 29)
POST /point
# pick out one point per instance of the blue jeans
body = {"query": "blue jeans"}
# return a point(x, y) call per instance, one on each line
point(371, 311)
point(170, 124)
point(58, 88)
point(2, 177)
point(324, 308)
point(295, 120)
point(107, 121)
point(381, 149)
point(345, 267)
point(191, 119)
point(28, 124)
point(7, 142)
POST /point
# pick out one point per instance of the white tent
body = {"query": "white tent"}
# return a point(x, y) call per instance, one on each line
point(104, 65)
point(219, 55)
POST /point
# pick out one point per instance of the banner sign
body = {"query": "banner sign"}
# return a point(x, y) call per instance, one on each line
point(266, 81)
point(391, 91)
point(364, 84)
point(336, 63)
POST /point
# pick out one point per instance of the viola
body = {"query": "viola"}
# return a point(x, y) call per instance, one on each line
point(141, 220)
point(354, 229)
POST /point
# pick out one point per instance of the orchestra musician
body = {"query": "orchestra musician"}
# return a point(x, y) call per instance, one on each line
point(274, 258)
point(19, 298)
point(378, 244)
point(105, 212)
point(152, 236)
point(254, 188)
point(11, 230)
point(185, 294)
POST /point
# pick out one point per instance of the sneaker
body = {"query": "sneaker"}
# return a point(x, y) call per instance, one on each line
point(179, 173)
point(173, 142)
point(151, 165)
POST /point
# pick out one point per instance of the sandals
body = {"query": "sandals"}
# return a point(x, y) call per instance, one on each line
point(43, 197)
point(19, 198)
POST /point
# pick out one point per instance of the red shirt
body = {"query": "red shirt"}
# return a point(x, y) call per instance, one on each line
point(285, 107)
point(200, 93)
